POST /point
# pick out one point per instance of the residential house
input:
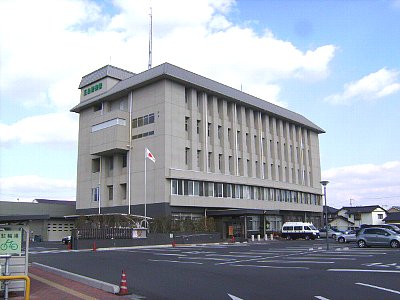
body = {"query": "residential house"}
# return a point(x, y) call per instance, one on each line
point(359, 215)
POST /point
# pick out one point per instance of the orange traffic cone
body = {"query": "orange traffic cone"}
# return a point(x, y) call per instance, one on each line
point(173, 244)
point(123, 288)
point(69, 246)
point(94, 246)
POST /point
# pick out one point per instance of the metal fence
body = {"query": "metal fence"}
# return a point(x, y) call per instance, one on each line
point(104, 233)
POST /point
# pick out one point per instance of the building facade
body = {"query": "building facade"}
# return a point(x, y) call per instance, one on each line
point(45, 218)
point(219, 152)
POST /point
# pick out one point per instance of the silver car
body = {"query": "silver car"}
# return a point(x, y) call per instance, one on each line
point(375, 236)
point(347, 237)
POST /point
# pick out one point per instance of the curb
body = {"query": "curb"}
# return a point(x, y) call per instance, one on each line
point(101, 285)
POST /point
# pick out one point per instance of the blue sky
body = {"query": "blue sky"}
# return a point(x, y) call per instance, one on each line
point(335, 62)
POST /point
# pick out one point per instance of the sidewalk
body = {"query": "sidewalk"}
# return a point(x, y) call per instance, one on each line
point(48, 286)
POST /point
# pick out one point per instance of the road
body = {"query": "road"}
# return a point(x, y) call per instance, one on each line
point(271, 270)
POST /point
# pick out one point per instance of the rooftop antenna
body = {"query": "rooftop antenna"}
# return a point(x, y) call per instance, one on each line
point(151, 38)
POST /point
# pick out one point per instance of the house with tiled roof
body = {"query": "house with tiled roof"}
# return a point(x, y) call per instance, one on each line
point(373, 214)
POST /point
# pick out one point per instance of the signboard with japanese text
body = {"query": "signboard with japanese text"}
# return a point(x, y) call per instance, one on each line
point(10, 242)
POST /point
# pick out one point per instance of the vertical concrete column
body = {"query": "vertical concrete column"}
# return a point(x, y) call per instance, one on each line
point(203, 132)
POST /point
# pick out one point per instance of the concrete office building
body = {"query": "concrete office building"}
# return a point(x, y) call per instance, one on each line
point(219, 152)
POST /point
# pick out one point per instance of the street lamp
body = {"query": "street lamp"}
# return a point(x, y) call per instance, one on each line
point(324, 184)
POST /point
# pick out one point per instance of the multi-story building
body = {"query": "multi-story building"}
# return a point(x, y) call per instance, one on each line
point(219, 152)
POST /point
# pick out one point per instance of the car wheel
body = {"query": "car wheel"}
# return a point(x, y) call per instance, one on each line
point(307, 237)
point(341, 240)
point(334, 236)
point(394, 244)
point(288, 237)
point(362, 244)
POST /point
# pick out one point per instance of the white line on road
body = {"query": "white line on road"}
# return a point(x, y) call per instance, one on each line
point(296, 262)
point(270, 267)
point(321, 298)
point(379, 288)
point(176, 261)
point(170, 254)
point(363, 270)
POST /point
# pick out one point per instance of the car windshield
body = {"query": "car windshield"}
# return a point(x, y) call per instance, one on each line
point(312, 227)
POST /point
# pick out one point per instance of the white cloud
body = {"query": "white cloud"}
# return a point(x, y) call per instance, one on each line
point(30, 187)
point(42, 64)
point(366, 184)
point(369, 88)
point(43, 129)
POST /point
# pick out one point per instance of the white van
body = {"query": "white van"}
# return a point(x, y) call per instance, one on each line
point(299, 230)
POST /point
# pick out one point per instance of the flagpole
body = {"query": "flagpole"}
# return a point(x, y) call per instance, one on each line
point(145, 188)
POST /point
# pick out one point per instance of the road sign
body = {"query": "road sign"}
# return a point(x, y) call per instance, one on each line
point(10, 242)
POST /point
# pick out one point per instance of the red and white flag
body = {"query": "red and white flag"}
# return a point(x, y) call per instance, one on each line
point(149, 156)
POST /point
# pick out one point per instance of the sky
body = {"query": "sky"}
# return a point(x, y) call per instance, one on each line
point(335, 62)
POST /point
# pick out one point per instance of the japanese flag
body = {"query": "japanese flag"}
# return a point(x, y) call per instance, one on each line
point(149, 156)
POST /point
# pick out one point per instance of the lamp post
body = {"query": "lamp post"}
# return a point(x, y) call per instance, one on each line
point(324, 184)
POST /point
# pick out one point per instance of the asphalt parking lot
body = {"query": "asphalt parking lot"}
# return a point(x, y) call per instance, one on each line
point(270, 270)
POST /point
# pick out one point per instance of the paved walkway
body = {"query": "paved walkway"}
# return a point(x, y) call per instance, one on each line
point(48, 286)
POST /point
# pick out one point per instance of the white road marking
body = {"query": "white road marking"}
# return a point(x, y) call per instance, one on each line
point(176, 261)
point(379, 288)
point(270, 267)
point(296, 262)
point(363, 270)
point(170, 254)
point(319, 257)
point(234, 297)
point(321, 298)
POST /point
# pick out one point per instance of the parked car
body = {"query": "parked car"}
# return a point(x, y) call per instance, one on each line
point(387, 226)
point(347, 237)
point(332, 233)
point(375, 236)
point(66, 239)
point(296, 230)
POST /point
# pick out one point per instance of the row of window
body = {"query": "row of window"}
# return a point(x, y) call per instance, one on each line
point(110, 192)
point(142, 135)
point(227, 190)
point(142, 121)
point(93, 88)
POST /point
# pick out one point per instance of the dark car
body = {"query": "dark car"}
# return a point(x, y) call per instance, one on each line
point(375, 236)
point(66, 239)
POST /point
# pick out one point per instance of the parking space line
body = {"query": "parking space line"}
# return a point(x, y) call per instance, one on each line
point(296, 262)
point(378, 287)
point(269, 267)
point(363, 270)
point(176, 261)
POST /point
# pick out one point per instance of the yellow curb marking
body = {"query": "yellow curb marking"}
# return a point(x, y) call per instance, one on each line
point(62, 288)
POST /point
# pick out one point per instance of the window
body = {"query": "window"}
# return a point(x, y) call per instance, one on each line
point(145, 120)
point(218, 190)
point(208, 129)
point(98, 107)
point(124, 160)
point(134, 123)
point(209, 159)
point(123, 190)
point(219, 132)
point(220, 162)
point(151, 118)
point(110, 192)
point(198, 126)
point(198, 157)
point(186, 123)
point(140, 121)
point(95, 194)
point(187, 156)
point(174, 187)
point(95, 165)
point(111, 163)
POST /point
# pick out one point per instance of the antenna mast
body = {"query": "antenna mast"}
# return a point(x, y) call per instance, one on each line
point(151, 39)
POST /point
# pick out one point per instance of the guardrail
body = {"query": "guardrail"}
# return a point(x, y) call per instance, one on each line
point(19, 277)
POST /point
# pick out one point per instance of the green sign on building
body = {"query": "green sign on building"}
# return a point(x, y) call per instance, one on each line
point(10, 242)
